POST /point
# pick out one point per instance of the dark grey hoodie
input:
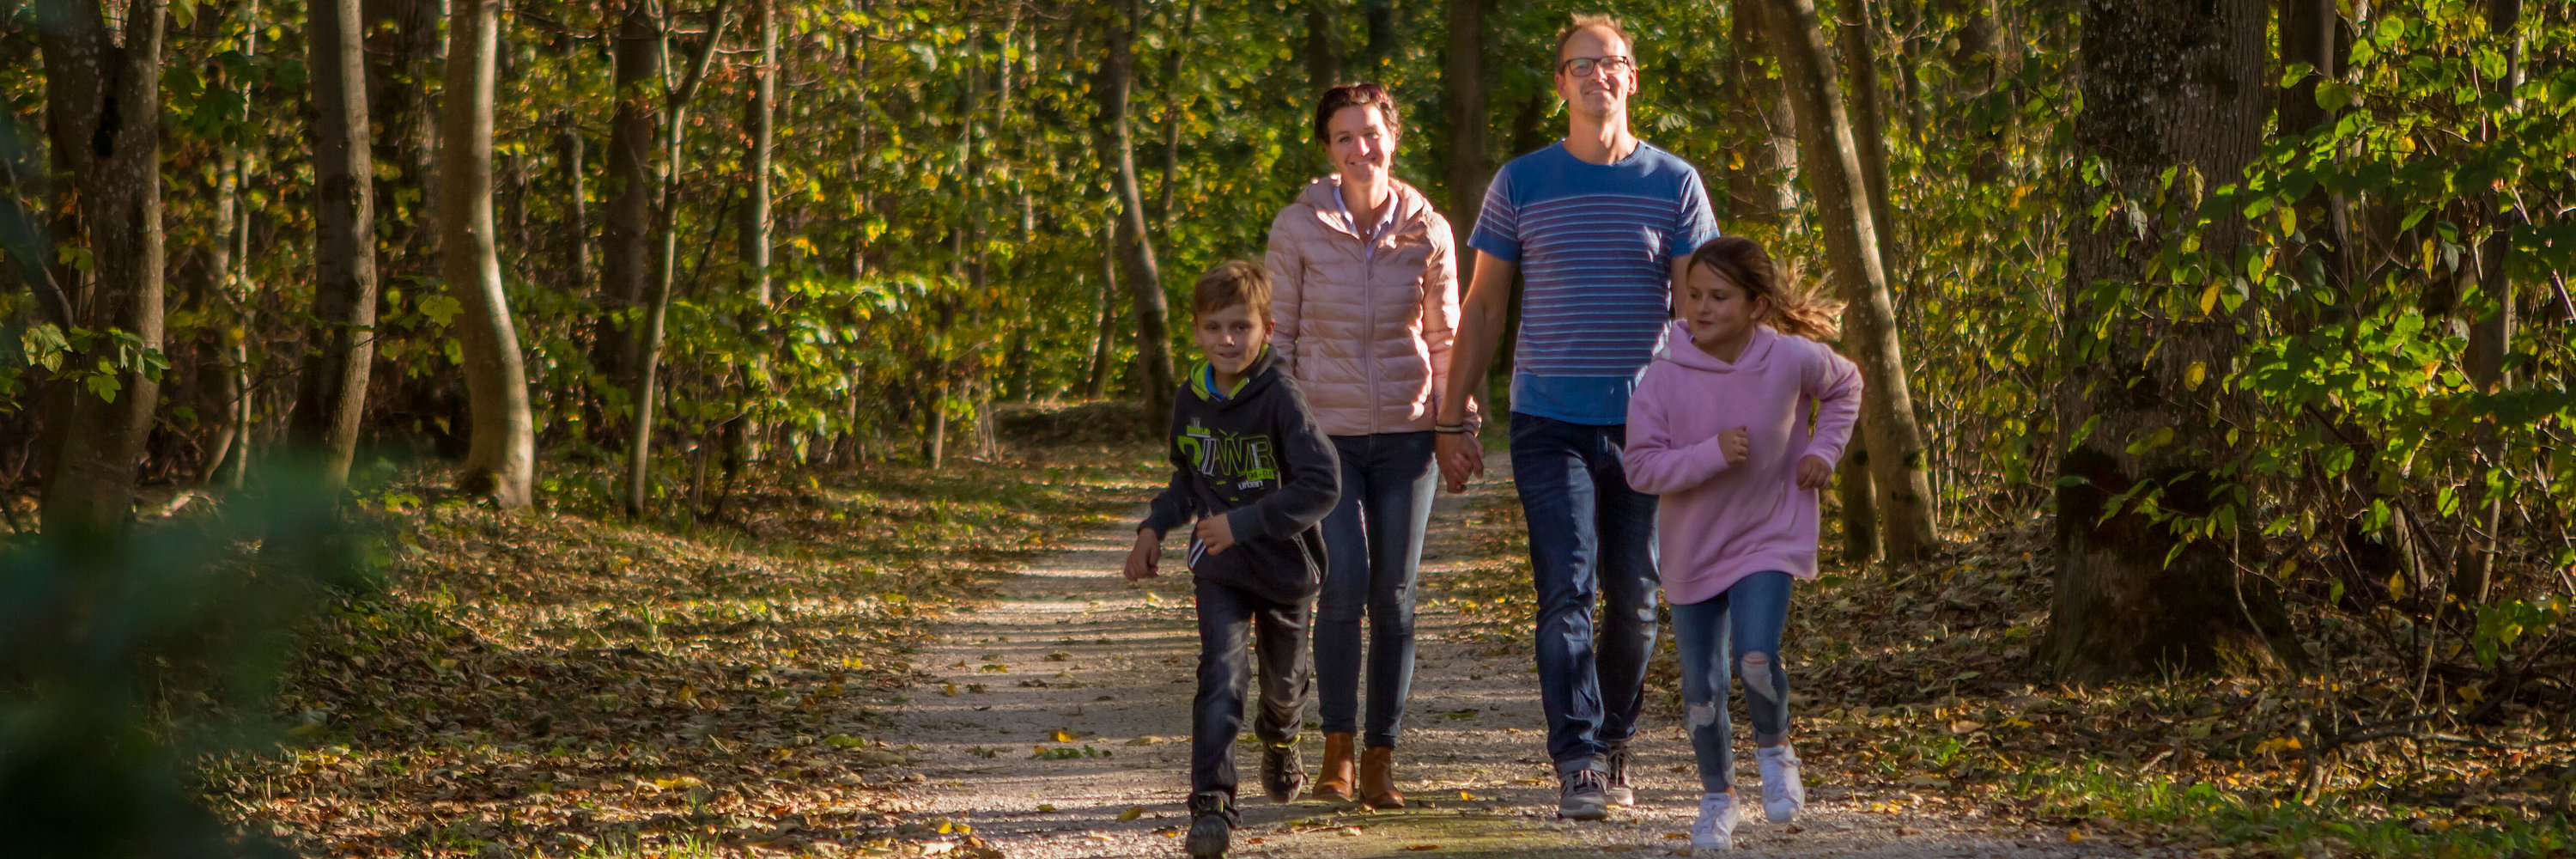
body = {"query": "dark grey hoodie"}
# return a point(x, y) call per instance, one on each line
point(1257, 458)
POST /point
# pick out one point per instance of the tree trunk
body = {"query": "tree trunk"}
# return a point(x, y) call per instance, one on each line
point(743, 442)
point(502, 459)
point(1172, 50)
point(401, 100)
point(1096, 385)
point(1760, 189)
point(1869, 130)
point(103, 111)
point(1830, 158)
point(1323, 51)
point(334, 394)
point(626, 235)
point(1135, 248)
point(1462, 84)
point(648, 350)
point(2312, 33)
point(2491, 330)
point(2141, 401)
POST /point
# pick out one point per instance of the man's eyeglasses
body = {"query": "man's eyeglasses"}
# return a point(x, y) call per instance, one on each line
point(1583, 67)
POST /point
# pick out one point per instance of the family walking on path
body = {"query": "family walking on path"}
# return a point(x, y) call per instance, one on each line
point(1334, 375)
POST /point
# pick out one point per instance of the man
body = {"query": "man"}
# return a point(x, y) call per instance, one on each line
point(1598, 226)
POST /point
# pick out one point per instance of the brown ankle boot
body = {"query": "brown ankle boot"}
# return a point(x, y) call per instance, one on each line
point(1377, 778)
point(1333, 783)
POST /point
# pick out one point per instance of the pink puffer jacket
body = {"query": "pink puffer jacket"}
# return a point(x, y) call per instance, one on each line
point(1365, 331)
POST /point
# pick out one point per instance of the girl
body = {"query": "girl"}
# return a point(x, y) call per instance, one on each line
point(1718, 427)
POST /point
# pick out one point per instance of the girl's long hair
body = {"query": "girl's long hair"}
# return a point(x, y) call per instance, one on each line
point(1795, 308)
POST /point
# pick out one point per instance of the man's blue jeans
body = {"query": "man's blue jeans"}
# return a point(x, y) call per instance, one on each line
point(1744, 620)
point(1590, 536)
point(1373, 553)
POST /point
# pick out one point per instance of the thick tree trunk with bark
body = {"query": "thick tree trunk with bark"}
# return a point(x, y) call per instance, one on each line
point(1830, 158)
point(1759, 189)
point(1135, 249)
point(1462, 83)
point(334, 394)
point(626, 235)
point(1869, 130)
point(2164, 86)
point(103, 117)
point(502, 459)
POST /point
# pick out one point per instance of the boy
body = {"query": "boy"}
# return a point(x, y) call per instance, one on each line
point(1250, 467)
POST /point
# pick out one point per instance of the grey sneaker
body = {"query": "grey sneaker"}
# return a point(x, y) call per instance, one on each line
point(1283, 772)
point(1619, 790)
point(1782, 794)
point(1211, 825)
point(1715, 829)
point(1586, 796)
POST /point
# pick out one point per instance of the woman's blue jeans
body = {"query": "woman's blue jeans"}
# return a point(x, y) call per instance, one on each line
point(1372, 554)
point(1741, 623)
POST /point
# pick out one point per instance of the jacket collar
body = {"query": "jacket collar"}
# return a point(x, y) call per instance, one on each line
point(1264, 369)
point(1324, 197)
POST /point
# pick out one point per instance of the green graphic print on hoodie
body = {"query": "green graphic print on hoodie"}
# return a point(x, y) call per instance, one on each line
point(1255, 457)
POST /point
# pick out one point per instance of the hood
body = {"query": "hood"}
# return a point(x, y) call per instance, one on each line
point(1263, 373)
point(1679, 349)
point(1323, 197)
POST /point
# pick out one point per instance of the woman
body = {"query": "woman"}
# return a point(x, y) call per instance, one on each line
point(1366, 281)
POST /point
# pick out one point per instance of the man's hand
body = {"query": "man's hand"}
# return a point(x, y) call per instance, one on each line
point(1735, 445)
point(1216, 532)
point(1462, 459)
point(1148, 552)
point(1814, 471)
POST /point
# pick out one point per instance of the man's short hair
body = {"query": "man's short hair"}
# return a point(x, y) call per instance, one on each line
point(1591, 22)
point(1230, 283)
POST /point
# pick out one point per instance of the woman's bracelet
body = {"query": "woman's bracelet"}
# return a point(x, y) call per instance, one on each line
point(1450, 429)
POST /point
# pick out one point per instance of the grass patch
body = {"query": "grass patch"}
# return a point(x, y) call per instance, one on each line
point(567, 683)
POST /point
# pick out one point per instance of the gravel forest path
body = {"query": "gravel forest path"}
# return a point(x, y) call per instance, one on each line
point(1056, 725)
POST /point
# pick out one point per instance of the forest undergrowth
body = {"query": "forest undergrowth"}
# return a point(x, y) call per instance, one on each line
point(567, 684)
point(1914, 685)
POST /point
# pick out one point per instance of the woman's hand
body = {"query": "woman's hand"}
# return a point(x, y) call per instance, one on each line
point(1216, 532)
point(1148, 552)
point(1814, 471)
point(1462, 459)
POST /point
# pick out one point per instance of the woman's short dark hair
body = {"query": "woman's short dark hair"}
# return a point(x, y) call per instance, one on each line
point(1353, 95)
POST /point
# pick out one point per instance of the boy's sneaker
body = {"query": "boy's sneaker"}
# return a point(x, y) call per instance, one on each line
point(1586, 795)
point(1283, 773)
point(1782, 794)
point(1715, 828)
point(1618, 788)
point(1210, 827)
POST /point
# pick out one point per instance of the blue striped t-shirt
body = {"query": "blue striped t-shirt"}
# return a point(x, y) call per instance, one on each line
point(1595, 245)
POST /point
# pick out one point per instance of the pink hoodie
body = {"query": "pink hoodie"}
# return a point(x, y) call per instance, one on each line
point(1721, 521)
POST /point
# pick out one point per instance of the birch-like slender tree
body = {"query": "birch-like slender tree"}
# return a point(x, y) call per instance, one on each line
point(501, 460)
point(334, 392)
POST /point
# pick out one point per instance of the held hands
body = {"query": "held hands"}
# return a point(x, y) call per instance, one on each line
point(1148, 552)
point(1217, 532)
point(1814, 471)
point(1462, 459)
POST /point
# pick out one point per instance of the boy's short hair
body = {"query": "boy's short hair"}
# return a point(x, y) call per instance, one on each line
point(1230, 283)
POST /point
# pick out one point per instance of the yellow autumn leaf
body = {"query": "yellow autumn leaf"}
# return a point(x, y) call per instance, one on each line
point(1062, 736)
point(2208, 299)
point(1132, 812)
point(2199, 370)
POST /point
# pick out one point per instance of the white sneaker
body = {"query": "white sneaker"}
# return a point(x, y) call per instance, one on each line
point(1715, 829)
point(1782, 795)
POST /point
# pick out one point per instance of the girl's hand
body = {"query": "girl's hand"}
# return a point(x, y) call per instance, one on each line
point(1734, 444)
point(1142, 559)
point(1814, 471)
point(1217, 532)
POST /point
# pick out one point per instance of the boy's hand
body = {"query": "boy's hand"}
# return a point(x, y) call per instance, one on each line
point(1216, 532)
point(1814, 471)
point(1736, 445)
point(1148, 552)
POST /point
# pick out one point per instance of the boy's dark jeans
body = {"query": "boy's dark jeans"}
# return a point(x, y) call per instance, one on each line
point(1228, 616)
point(1591, 538)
